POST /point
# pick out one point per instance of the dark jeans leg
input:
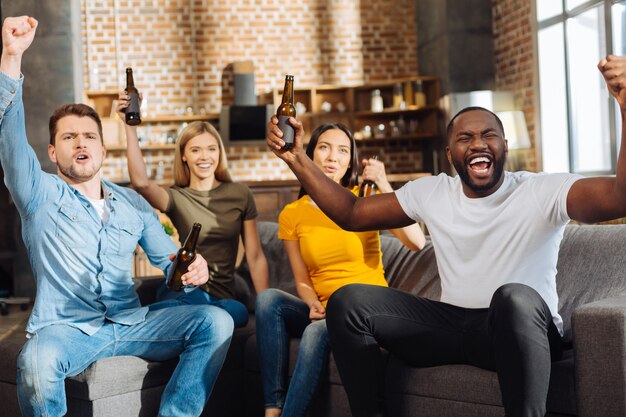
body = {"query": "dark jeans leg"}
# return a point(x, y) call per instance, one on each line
point(515, 336)
point(525, 342)
point(363, 318)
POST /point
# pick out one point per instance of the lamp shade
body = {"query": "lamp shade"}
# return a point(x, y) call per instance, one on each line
point(515, 130)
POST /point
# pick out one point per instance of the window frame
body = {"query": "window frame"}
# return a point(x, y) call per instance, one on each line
point(563, 18)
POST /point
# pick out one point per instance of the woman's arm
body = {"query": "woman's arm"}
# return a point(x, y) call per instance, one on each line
point(303, 280)
point(411, 236)
point(255, 256)
point(150, 190)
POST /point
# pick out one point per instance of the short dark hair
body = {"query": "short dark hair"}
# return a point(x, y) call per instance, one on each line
point(74, 109)
point(351, 177)
point(472, 108)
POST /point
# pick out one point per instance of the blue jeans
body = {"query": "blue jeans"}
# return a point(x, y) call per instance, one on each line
point(280, 315)
point(197, 296)
point(200, 335)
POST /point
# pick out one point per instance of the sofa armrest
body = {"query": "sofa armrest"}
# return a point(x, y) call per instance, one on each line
point(599, 330)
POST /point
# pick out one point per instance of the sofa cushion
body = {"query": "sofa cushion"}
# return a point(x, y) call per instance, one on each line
point(465, 383)
point(118, 375)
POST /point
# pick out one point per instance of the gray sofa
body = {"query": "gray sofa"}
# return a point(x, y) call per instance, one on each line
point(589, 381)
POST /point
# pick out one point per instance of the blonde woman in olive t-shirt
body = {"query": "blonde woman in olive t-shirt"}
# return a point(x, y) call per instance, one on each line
point(204, 193)
point(323, 258)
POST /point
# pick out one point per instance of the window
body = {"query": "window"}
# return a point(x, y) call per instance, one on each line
point(579, 121)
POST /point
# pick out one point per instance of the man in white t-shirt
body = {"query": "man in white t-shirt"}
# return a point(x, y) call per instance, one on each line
point(496, 235)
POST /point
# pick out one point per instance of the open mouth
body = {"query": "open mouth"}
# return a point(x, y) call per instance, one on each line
point(82, 157)
point(480, 165)
point(204, 166)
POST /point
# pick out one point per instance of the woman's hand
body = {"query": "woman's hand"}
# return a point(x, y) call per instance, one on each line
point(317, 311)
point(374, 170)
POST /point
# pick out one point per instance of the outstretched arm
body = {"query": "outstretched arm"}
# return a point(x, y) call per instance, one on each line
point(411, 236)
point(604, 198)
point(378, 212)
point(150, 190)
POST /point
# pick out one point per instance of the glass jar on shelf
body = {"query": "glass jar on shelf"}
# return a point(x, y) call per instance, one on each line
point(420, 97)
point(377, 101)
point(398, 97)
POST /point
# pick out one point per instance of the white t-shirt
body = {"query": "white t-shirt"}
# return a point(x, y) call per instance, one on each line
point(513, 235)
point(101, 208)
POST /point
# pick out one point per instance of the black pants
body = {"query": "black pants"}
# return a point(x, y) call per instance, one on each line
point(515, 336)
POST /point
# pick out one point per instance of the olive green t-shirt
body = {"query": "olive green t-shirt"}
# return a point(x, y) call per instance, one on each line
point(221, 212)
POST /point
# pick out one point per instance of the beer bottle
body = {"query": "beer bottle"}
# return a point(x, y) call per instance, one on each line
point(133, 118)
point(184, 258)
point(368, 187)
point(285, 111)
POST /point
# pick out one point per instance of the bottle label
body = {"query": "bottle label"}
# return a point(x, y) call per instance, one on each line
point(287, 129)
point(133, 104)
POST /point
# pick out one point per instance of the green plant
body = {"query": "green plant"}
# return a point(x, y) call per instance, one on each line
point(168, 227)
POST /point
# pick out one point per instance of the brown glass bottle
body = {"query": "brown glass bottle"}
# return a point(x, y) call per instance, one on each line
point(184, 258)
point(133, 117)
point(285, 111)
point(368, 187)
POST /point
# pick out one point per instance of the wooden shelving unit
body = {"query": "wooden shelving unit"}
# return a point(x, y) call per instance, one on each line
point(352, 106)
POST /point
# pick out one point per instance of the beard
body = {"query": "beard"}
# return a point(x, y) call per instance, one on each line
point(498, 170)
point(79, 173)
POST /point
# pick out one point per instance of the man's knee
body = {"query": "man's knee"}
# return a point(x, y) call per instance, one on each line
point(517, 305)
point(214, 323)
point(516, 297)
point(39, 359)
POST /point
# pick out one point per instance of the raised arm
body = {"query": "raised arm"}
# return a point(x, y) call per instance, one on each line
point(22, 170)
point(381, 211)
point(149, 189)
point(411, 236)
point(604, 198)
point(255, 256)
point(17, 35)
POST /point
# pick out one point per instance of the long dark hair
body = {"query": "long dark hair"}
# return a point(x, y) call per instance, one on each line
point(351, 177)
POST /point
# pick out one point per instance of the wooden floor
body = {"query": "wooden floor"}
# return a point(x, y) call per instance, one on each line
point(12, 325)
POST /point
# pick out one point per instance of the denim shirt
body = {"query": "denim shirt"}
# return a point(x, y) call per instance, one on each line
point(82, 267)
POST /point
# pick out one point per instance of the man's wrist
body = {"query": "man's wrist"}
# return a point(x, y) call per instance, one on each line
point(11, 65)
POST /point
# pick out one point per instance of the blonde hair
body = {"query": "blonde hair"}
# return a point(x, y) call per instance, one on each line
point(181, 170)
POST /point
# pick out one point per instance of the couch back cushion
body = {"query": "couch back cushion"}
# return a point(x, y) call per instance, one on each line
point(278, 264)
point(591, 266)
point(413, 272)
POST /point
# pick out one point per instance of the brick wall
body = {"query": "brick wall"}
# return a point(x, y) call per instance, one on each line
point(513, 28)
point(182, 53)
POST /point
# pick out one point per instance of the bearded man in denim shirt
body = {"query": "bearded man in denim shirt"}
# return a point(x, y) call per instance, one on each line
point(81, 231)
